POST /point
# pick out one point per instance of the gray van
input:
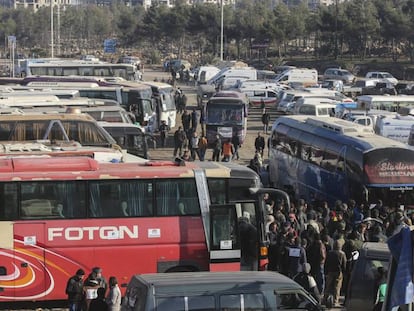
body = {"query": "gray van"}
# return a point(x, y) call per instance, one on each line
point(361, 287)
point(241, 290)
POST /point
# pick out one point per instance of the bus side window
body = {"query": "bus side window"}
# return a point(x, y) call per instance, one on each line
point(172, 193)
point(9, 208)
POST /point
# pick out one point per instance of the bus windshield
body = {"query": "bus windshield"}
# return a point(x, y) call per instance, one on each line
point(225, 114)
point(167, 99)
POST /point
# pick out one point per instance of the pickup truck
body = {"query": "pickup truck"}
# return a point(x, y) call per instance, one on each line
point(381, 88)
point(356, 89)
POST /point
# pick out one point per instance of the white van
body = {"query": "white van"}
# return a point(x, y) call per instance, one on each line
point(314, 106)
point(226, 83)
point(205, 73)
point(248, 73)
point(260, 84)
point(299, 75)
point(397, 128)
point(257, 95)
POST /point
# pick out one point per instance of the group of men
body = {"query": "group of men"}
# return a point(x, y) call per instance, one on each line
point(89, 294)
point(326, 237)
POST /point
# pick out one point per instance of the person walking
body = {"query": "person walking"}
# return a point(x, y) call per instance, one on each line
point(335, 267)
point(186, 121)
point(265, 121)
point(216, 148)
point(203, 122)
point(227, 151)
point(74, 290)
point(259, 144)
point(114, 296)
point(194, 146)
point(194, 120)
point(179, 140)
point(183, 102)
point(164, 128)
point(202, 147)
point(235, 140)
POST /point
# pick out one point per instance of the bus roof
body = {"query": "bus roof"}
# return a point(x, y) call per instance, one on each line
point(43, 116)
point(46, 149)
point(387, 98)
point(30, 168)
point(159, 85)
point(342, 131)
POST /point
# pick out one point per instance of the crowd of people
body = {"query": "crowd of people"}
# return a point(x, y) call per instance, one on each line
point(90, 294)
point(314, 244)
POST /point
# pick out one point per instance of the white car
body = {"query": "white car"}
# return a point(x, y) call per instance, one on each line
point(382, 76)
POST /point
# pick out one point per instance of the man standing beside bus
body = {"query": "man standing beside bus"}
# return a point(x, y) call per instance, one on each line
point(235, 140)
point(74, 290)
point(179, 140)
point(164, 128)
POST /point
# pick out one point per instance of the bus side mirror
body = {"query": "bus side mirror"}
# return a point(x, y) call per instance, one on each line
point(124, 285)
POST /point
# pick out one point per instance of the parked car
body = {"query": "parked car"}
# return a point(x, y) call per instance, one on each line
point(331, 84)
point(339, 74)
point(382, 76)
point(243, 290)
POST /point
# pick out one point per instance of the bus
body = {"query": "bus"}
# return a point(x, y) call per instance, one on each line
point(329, 159)
point(133, 96)
point(392, 103)
point(74, 67)
point(54, 127)
point(226, 113)
point(60, 214)
point(136, 100)
point(163, 95)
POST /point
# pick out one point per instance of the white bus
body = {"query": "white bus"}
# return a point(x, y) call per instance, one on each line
point(163, 94)
point(391, 103)
point(71, 67)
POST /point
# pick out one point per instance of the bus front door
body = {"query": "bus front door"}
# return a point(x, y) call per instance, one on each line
point(225, 252)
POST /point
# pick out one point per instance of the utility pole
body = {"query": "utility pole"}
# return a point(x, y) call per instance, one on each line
point(52, 44)
point(221, 31)
point(58, 28)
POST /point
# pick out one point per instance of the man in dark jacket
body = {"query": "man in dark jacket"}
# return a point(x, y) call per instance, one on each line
point(265, 120)
point(179, 140)
point(164, 129)
point(335, 267)
point(259, 144)
point(186, 121)
point(217, 147)
point(235, 140)
point(74, 290)
point(194, 120)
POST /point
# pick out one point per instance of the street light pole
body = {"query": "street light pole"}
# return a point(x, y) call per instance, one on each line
point(221, 32)
point(52, 47)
